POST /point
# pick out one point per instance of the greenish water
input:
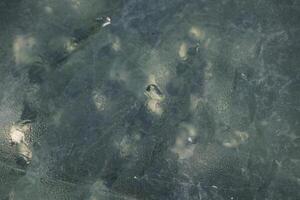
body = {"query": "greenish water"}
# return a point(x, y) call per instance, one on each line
point(157, 99)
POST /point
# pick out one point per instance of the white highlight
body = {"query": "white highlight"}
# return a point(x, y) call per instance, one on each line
point(16, 135)
point(182, 52)
point(107, 22)
point(183, 147)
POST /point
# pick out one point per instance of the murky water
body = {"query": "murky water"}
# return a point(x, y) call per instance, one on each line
point(137, 99)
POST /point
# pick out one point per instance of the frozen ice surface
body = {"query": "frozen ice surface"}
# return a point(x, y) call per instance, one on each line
point(149, 99)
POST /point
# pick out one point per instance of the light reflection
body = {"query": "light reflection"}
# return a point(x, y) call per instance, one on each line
point(238, 138)
point(154, 106)
point(116, 44)
point(196, 33)
point(75, 4)
point(185, 141)
point(18, 133)
point(48, 10)
point(99, 100)
point(182, 52)
point(155, 99)
point(22, 48)
point(70, 45)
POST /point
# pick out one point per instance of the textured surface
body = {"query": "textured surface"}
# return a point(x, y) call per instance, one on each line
point(149, 99)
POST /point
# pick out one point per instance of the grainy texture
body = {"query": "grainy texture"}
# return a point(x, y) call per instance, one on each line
point(149, 99)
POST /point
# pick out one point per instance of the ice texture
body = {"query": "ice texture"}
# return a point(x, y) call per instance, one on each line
point(149, 99)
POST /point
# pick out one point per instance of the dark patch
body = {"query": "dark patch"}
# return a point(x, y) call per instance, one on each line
point(22, 161)
point(28, 113)
point(153, 87)
point(35, 74)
